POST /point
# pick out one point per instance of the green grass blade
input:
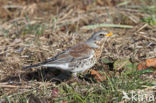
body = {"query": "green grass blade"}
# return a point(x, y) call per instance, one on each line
point(106, 25)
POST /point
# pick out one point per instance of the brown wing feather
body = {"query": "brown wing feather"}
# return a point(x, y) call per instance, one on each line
point(80, 50)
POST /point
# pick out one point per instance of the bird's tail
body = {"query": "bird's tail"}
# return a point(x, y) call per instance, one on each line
point(39, 64)
point(32, 66)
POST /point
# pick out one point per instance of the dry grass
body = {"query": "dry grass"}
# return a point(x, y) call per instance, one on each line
point(32, 31)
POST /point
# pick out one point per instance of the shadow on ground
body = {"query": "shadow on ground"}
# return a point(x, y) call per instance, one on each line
point(44, 74)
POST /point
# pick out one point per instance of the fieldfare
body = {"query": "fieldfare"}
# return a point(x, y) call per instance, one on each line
point(78, 58)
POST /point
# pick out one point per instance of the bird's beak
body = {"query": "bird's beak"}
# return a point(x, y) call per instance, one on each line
point(109, 34)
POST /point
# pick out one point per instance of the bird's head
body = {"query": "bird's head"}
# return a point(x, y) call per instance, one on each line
point(98, 39)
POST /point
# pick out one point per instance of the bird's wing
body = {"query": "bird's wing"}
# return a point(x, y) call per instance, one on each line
point(81, 51)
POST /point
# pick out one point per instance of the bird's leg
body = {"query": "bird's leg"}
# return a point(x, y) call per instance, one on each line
point(86, 71)
point(75, 77)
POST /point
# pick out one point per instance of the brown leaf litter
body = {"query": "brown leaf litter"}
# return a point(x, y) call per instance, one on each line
point(22, 41)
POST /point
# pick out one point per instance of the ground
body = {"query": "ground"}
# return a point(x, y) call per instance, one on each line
point(33, 30)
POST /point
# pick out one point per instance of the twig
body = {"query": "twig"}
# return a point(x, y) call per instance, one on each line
point(152, 38)
point(13, 6)
point(145, 25)
point(5, 85)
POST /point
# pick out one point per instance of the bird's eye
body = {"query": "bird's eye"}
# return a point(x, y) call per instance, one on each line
point(101, 35)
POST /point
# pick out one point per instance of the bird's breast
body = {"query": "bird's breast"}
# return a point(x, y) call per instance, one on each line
point(98, 51)
point(82, 65)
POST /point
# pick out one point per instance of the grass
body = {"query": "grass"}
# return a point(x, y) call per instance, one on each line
point(106, 25)
point(70, 25)
point(83, 92)
point(36, 29)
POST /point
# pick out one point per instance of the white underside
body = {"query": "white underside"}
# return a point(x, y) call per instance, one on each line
point(84, 68)
point(61, 66)
point(65, 66)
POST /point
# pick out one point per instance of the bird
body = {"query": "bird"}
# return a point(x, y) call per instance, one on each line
point(78, 58)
